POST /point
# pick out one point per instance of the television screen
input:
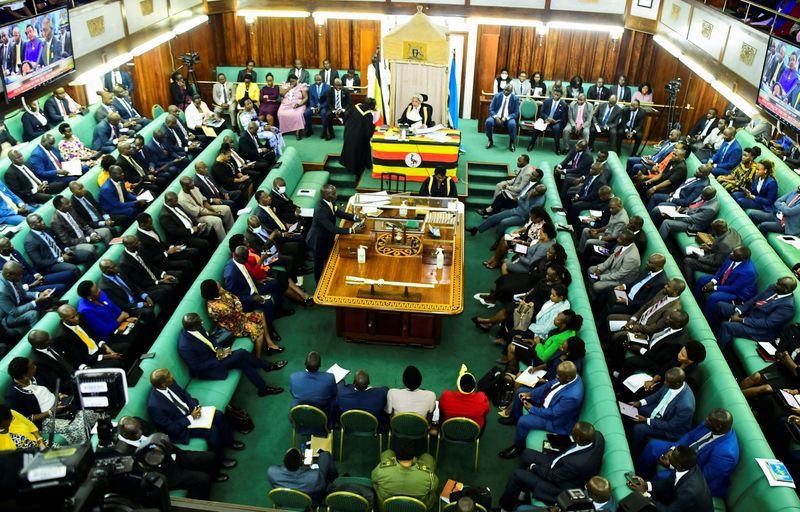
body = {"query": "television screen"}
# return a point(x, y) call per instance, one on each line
point(37, 50)
point(779, 92)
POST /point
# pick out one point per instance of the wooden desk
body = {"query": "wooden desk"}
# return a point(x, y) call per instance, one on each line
point(387, 319)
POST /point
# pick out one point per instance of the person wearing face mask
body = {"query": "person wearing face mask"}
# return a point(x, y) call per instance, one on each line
point(501, 81)
point(282, 204)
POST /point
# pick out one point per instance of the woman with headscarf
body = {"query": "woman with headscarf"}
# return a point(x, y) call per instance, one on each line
point(34, 123)
point(293, 106)
point(465, 401)
point(418, 113)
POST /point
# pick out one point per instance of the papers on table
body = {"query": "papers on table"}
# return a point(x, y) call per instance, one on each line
point(693, 249)
point(145, 196)
point(776, 473)
point(791, 240)
point(73, 167)
point(540, 125)
point(529, 379)
point(585, 219)
point(671, 212)
point(375, 198)
point(338, 372)
point(636, 382)
point(621, 294)
point(306, 212)
point(205, 419)
point(790, 399)
point(537, 91)
point(520, 248)
point(438, 137)
point(432, 129)
point(616, 325)
point(306, 192)
point(768, 347)
point(628, 410)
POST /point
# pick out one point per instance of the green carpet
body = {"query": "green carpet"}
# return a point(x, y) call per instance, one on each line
point(315, 330)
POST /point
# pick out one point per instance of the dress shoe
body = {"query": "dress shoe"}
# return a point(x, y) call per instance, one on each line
point(530, 146)
point(480, 211)
point(479, 325)
point(220, 478)
point(472, 231)
point(512, 147)
point(284, 312)
point(229, 464)
point(323, 136)
point(274, 334)
point(277, 365)
point(270, 351)
point(238, 446)
point(559, 152)
point(507, 420)
point(489, 145)
point(510, 453)
point(309, 302)
point(269, 390)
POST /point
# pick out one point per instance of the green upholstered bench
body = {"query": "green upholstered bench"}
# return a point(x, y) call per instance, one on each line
point(280, 74)
point(291, 170)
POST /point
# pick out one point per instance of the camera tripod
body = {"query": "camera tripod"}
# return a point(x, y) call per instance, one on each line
point(672, 118)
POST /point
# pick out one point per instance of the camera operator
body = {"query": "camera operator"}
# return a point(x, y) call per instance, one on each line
point(193, 471)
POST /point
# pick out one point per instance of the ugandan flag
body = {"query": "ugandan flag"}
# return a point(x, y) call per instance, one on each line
point(377, 93)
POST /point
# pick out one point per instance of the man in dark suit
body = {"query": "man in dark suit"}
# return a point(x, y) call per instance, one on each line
point(702, 127)
point(251, 150)
point(631, 126)
point(622, 91)
point(638, 291)
point(317, 105)
point(6, 55)
point(659, 352)
point(181, 229)
point(46, 162)
point(761, 318)
point(644, 164)
point(734, 281)
point(158, 162)
point(26, 184)
point(697, 216)
point(118, 76)
point(33, 281)
point(329, 75)
point(170, 406)
point(122, 104)
point(338, 103)
point(207, 360)
point(554, 113)
point(715, 253)
point(314, 481)
point(667, 181)
point(124, 293)
point(79, 346)
point(323, 230)
point(139, 172)
point(90, 211)
point(584, 196)
point(359, 395)
point(213, 192)
point(717, 452)
point(172, 258)
point(503, 111)
point(575, 166)
point(190, 470)
point(163, 154)
point(598, 92)
point(651, 317)
point(51, 361)
point(253, 295)
point(73, 231)
point(606, 120)
point(690, 492)
point(543, 476)
point(51, 47)
point(665, 414)
point(282, 204)
point(107, 133)
point(154, 281)
point(313, 387)
point(19, 309)
point(56, 108)
point(115, 199)
point(684, 193)
point(46, 254)
point(178, 138)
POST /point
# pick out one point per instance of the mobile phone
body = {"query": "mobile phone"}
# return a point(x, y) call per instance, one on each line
point(149, 355)
point(631, 478)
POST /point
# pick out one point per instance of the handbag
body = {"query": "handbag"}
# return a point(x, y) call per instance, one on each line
point(704, 238)
point(522, 315)
point(239, 419)
point(221, 337)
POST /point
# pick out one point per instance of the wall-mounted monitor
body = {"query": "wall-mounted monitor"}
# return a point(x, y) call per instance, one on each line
point(35, 51)
point(779, 91)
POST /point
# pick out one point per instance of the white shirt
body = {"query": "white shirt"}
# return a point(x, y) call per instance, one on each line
point(195, 117)
point(638, 286)
point(572, 450)
point(419, 401)
point(555, 390)
point(43, 395)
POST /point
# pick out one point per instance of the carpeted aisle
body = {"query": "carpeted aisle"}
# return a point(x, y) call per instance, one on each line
point(314, 329)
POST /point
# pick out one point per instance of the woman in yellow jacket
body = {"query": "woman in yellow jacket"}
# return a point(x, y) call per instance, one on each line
point(18, 432)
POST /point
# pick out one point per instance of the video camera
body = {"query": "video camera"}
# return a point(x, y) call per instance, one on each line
point(673, 87)
point(190, 59)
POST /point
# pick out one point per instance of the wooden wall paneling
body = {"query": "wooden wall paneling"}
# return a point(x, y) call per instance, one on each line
point(485, 62)
point(151, 73)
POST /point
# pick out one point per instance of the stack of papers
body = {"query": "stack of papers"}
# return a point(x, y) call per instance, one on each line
point(529, 379)
point(636, 382)
point(790, 399)
point(693, 249)
point(146, 196)
point(73, 167)
point(776, 473)
point(671, 212)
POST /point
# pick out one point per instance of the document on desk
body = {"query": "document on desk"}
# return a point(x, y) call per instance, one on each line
point(529, 379)
point(636, 382)
point(205, 419)
point(338, 372)
point(671, 212)
point(540, 125)
point(628, 410)
point(622, 295)
point(790, 399)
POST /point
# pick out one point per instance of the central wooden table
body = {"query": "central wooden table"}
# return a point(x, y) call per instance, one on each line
point(386, 317)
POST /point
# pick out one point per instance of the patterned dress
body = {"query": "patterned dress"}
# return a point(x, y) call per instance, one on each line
point(73, 149)
point(226, 311)
point(741, 178)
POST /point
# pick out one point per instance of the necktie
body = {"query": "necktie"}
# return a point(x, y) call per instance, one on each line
point(600, 93)
point(224, 94)
point(652, 309)
point(631, 120)
point(250, 282)
point(702, 442)
point(504, 107)
point(607, 115)
point(767, 300)
point(579, 121)
point(662, 404)
point(135, 165)
point(89, 342)
point(553, 108)
point(214, 190)
point(271, 213)
point(54, 248)
point(61, 109)
point(120, 195)
point(126, 107)
point(177, 402)
point(338, 100)
point(791, 203)
point(618, 252)
point(698, 204)
point(727, 273)
point(144, 265)
point(74, 225)
point(17, 293)
point(90, 209)
point(200, 336)
point(119, 282)
point(47, 53)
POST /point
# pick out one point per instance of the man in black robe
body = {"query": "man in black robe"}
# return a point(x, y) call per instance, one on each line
point(358, 128)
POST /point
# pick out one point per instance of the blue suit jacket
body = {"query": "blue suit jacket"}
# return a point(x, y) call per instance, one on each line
point(562, 414)
point(372, 400)
point(589, 190)
point(561, 110)
point(120, 107)
point(5, 210)
point(313, 388)
point(740, 282)
point(676, 418)
point(731, 159)
point(315, 100)
point(766, 321)
point(39, 252)
point(201, 360)
point(41, 164)
point(525, 205)
point(769, 193)
point(160, 155)
point(497, 103)
point(109, 200)
point(27, 270)
point(103, 137)
point(166, 417)
point(665, 150)
point(236, 283)
point(717, 459)
point(690, 193)
point(791, 214)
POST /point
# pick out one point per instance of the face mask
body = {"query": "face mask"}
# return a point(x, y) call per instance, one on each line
point(281, 190)
point(503, 75)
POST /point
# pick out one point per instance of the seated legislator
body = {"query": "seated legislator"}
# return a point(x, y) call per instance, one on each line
point(60, 106)
point(717, 452)
point(109, 323)
point(198, 114)
point(223, 95)
point(246, 89)
point(138, 172)
point(763, 192)
point(291, 113)
point(74, 232)
point(46, 162)
point(631, 126)
point(50, 359)
point(249, 69)
point(46, 254)
point(106, 105)
point(34, 123)
point(282, 204)
point(507, 191)
point(650, 318)
point(466, 401)
point(115, 199)
point(553, 407)
point(207, 360)
point(727, 157)
point(313, 387)
point(72, 148)
point(181, 228)
point(87, 208)
point(165, 154)
point(659, 350)
point(699, 215)
point(620, 265)
point(227, 175)
point(126, 295)
point(785, 217)
point(554, 114)
point(314, 481)
point(259, 156)
point(543, 476)
point(438, 185)
point(338, 103)
point(264, 296)
point(724, 240)
point(411, 398)
point(645, 164)
point(606, 120)
point(417, 114)
point(18, 432)
point(317, 105)
point(213, 192)
point(19, 309)
point(289, 255)
point(153, 280)
point(173, 409)
point(743, 174)
point(26, 184)
point(189, 470)
point(668, 180)
point(157, 253)
point(82, 349)
point(685, 487)
point(545, 345)
point(361, 396)
point(527, 234)
point(181, 140)
point(400, 473)
point(686, 192)
point(734, 281)
point(108, 133)
point(665, 414)
point(218, 217)
point(579, 120)
point(761, 318)
point(503, 111)
point(123, 104)
point(31, 280)
point(601, 236)
point(531, 197)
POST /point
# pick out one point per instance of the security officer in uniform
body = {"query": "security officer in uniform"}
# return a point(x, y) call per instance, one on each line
point(401, 474)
